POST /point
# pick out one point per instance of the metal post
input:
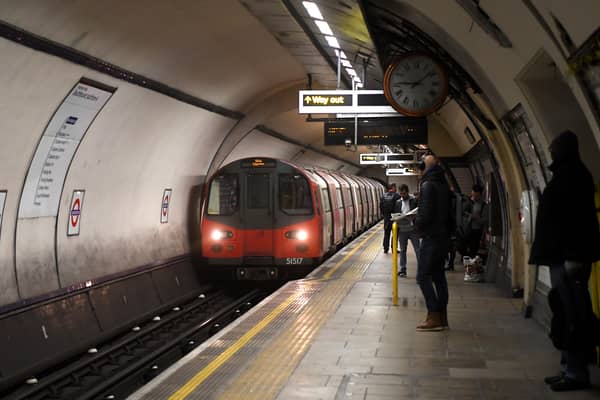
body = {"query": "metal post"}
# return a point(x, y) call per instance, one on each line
point(355, 132)
point(339, 71)
point(395, 264)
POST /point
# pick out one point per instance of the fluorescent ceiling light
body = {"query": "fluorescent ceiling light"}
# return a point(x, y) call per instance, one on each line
point(324, 27)
point(346, 63)
point(337, 53)
point(351, 72)
point(356, 79)
point(359, 85)
point(333, 42)
point(312, 9)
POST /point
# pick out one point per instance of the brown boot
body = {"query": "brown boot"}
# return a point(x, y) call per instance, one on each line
point(444, 318)
point(433, 323)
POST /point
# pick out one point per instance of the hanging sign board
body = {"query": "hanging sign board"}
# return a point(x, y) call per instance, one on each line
point(57, 147)
point(387, 158)
point(2, 202)
point(400, 172)
point(343, 101)
point(384, 131)
point(164, 207)
point(75, 213)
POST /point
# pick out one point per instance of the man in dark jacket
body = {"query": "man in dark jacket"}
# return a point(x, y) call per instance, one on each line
point(386, 206)
point(567, 239)
point(433, 224)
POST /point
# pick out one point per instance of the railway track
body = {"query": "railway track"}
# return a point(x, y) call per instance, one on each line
point(116, 368)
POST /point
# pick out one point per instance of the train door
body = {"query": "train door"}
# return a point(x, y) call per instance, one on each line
point(344, 192)
point(327, 215)
point(355, 203)
point(258, 220)
point(336, 206)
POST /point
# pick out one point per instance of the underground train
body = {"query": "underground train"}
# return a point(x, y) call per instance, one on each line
point(264, 218)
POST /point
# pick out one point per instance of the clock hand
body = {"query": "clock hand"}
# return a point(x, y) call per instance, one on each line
point(423, 78)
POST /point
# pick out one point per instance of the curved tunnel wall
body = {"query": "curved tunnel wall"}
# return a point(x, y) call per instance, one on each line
point(123, 163)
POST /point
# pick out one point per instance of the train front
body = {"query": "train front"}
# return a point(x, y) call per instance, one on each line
point(259, 221)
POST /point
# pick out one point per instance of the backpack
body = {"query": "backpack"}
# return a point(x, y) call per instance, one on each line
point(388, 201)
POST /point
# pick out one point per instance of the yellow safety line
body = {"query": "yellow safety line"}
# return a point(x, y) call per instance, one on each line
point(207, 371)
point(339, 264)
point(227, 354)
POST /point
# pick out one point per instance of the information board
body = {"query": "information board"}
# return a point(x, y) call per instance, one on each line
point(57, 147)
point(377, 131)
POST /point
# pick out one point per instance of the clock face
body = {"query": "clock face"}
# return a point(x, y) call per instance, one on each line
point(415, 85)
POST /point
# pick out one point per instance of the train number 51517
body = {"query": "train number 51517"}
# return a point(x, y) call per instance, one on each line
point(293, 260)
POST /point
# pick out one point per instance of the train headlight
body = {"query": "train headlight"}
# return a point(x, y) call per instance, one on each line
point(300, 234)
point(218, 235)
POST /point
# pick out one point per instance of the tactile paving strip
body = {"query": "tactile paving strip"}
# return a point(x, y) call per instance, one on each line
point(254, 360)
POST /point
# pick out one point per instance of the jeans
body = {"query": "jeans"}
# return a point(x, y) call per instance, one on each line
point(403, 238)
point(573, 363)
point(430, 272)
point(387, 229)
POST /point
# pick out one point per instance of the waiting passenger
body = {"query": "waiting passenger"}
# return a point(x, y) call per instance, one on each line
point(567, 239)
point(434, 224)
point(386, 206)
point(476, 222)
point(406, 228)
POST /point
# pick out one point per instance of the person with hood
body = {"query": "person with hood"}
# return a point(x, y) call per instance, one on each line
point(433, 224)
point(567, 239)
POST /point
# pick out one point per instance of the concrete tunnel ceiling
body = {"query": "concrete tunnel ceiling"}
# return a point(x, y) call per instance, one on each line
point(201, 83)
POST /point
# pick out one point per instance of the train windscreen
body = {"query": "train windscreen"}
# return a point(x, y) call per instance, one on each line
point(294, 195)
point(224, 194)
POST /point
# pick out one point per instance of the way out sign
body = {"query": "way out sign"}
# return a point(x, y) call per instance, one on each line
point(75, 213)
point(164, 207)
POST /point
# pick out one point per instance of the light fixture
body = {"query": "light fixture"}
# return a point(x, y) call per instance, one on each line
point(346, 63)
point(312, 9)
point(351, 72)
point(356, 79)
point(341, 54)
point(333, 42)
point(324, 27)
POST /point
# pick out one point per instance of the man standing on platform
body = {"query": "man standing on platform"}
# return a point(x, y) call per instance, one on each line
point(434, 225)
point(568, 241)
point(386, 206)
point(406, 229)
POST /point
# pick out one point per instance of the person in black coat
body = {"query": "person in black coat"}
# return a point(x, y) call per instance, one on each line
point(567, 239)
point(387, 203)
point(433, 224)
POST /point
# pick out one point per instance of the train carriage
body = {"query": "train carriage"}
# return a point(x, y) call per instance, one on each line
point(264, 218)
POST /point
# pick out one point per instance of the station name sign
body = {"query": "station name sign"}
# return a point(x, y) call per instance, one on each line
point(343, 102)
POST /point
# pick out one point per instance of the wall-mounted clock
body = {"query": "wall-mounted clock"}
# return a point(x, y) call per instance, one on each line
point(415, 84)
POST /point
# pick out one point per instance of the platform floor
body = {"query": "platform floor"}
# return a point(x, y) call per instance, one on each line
point(336, 335)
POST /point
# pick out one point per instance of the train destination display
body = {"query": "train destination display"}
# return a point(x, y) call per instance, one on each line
point(377, 131)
